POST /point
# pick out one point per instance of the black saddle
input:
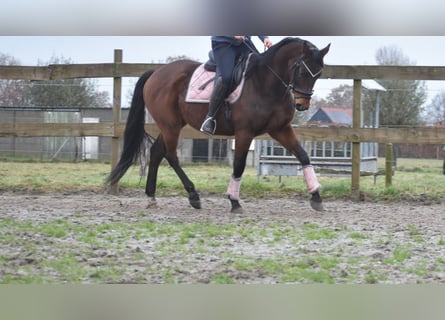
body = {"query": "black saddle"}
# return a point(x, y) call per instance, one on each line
point(210, 65)
point(237, 74)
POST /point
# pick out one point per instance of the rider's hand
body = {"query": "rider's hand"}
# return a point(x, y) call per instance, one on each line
point(267, 43)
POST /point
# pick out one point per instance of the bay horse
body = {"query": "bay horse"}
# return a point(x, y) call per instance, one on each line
point(277, 82)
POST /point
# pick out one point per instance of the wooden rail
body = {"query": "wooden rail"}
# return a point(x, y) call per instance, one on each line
point(118, 69)
point(110, 70)
point(415, 135)
point(70, 71)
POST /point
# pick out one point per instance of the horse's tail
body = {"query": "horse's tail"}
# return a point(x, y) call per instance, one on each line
point(134, 132)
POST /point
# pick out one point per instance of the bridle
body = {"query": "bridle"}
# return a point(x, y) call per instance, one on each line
point(302, 94)
point(297, 92)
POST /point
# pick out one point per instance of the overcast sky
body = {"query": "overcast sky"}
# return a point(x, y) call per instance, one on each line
point(345, 50)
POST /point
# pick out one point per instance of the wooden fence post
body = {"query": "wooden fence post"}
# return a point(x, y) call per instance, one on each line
point(389, 154)
point(115, 140)
point(356, 123)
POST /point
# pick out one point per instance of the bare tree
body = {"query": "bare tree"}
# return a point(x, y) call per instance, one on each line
point(68, 92)
point(436, 109)
point(13, 93)
point(340, 97)
point(317, 103)
point(401, 103)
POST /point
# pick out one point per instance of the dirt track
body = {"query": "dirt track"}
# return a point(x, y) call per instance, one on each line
point(367, 242)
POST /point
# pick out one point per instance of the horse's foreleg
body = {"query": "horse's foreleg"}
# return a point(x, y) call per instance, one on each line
point(309, 177)
point(239, 164)
point(288, 139)
point(232, 194)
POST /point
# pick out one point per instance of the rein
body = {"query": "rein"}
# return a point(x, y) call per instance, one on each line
point(291, 85)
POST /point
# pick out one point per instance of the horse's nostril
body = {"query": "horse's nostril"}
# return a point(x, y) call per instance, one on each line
point(300, 107)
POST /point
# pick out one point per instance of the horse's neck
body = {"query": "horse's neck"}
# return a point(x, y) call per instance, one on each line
point(276, 73)
point(284, 59)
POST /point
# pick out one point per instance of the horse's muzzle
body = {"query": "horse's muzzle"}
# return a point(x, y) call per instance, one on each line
point(302, 99)
point(301, 107)
point(302, 103)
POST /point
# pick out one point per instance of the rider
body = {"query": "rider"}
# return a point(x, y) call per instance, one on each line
point(226, 50)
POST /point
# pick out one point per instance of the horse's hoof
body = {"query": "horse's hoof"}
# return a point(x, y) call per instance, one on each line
point(152, 205)
point(195, 203)
point(236, 207)
point(318, 206)
point(237, 210)
point(194, 200)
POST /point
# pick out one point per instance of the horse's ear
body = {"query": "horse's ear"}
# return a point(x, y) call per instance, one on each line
point(325, 50)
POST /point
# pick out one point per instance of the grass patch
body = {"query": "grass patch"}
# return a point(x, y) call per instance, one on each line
point(68, 268)
point(169, 240)
point(320, 234)
point(58, 228)
point(399, 255)
point(222, 278)
point(413, 231)
point(424, 182)
point(317, 277)
point(336, 187)
point(371, 278)
point(106, 274)
point(24, 279)
point(314, 269)
point(420, 271)
point(357, 235)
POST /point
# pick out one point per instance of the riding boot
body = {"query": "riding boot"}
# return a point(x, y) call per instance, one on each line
point(216, 99)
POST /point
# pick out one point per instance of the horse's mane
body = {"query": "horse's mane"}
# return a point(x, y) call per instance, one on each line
point(266, 57)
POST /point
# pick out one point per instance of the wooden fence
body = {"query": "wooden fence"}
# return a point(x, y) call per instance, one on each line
point(117, 70)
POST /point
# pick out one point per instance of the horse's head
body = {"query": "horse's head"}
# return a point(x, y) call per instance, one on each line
point(305, 70)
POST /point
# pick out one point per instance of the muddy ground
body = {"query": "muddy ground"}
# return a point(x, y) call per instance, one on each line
point(366, 242)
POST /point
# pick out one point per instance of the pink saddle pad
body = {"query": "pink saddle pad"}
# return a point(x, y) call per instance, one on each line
point(201, 86)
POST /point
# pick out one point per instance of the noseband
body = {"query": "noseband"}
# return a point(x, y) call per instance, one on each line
point(298, 92)
point(303, 94)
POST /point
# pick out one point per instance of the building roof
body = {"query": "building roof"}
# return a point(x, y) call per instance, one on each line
point(339, 116)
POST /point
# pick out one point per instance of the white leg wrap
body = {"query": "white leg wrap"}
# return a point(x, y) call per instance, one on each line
point(233, 188)
point(311, 179)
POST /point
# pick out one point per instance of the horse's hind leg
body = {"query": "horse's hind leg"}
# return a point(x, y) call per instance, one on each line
point(171, 143)
point(194, 200)
point(157, 153)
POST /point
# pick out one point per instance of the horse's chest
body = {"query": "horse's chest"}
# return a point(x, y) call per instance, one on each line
point(270, 119)
point(280, 116)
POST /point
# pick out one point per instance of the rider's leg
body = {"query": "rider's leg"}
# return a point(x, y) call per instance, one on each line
point(225, 56)
point(216, 100)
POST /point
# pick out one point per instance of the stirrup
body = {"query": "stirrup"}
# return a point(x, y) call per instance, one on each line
point(208, 126)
